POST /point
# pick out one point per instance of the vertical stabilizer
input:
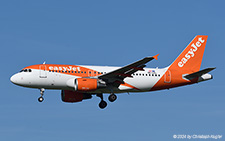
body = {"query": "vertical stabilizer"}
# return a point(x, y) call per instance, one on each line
point(191, 58)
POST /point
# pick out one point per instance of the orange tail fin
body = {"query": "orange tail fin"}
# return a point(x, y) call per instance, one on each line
point(191, 58)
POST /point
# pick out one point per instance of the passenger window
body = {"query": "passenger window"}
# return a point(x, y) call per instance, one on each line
point(25, 70)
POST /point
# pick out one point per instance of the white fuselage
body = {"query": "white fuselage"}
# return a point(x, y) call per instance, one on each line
point(140, 80)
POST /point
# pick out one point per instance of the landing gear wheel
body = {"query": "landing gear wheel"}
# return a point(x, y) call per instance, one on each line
point(40, 99)
point(112, 97)
point(102, 104)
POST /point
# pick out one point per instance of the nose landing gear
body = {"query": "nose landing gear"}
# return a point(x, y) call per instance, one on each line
point(40, 99)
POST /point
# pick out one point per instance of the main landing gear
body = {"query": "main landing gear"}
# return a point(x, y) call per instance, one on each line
point(40, 99)
point(103, 103)
point(112, 97)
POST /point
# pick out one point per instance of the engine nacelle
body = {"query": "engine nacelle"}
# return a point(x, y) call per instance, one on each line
point(73, 96)
point(88, 84)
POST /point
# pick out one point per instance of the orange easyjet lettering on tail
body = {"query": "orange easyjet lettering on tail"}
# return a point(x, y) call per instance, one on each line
point(191, 52)
point(190, 59)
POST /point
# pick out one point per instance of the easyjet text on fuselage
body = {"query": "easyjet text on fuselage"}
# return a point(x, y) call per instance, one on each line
point(69, 68)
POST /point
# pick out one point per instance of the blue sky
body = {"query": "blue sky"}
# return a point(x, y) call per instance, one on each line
point(112, 33)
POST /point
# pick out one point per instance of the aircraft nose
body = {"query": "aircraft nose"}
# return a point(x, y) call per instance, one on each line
point(14, 79)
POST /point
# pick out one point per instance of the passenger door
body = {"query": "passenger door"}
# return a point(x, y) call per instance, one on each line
point(43, 71)
point(167, 78)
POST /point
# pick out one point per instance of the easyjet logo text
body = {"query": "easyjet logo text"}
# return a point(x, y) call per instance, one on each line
point(69, 68)
point(191, 52)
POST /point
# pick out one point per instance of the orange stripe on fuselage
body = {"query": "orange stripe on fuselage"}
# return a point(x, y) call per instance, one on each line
point(130, 86)
point(66, 69)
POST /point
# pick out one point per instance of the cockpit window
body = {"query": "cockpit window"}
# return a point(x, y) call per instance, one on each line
point(26, 70)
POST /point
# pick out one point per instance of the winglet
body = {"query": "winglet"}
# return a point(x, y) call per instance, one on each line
point(156, 57)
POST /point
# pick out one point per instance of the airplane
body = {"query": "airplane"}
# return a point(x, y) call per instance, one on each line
point(81, 82)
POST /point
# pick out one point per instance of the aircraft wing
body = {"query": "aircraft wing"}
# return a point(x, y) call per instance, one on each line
point(126, 71)
point(198, 74)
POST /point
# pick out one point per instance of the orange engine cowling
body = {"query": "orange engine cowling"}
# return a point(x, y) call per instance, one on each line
point(87, 84)
point(73, 96)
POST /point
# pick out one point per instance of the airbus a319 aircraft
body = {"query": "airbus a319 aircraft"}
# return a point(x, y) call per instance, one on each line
point(81, 82)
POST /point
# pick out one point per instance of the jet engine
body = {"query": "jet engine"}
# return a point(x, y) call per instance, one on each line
point(88, 84)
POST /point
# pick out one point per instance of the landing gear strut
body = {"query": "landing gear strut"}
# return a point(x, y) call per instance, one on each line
point(40, 99)
point(112, 97)
point(102, 103)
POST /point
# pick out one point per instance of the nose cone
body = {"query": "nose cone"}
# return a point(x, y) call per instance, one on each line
point(14, 79)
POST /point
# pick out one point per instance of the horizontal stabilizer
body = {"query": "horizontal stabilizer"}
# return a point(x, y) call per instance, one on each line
point(198, 74)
